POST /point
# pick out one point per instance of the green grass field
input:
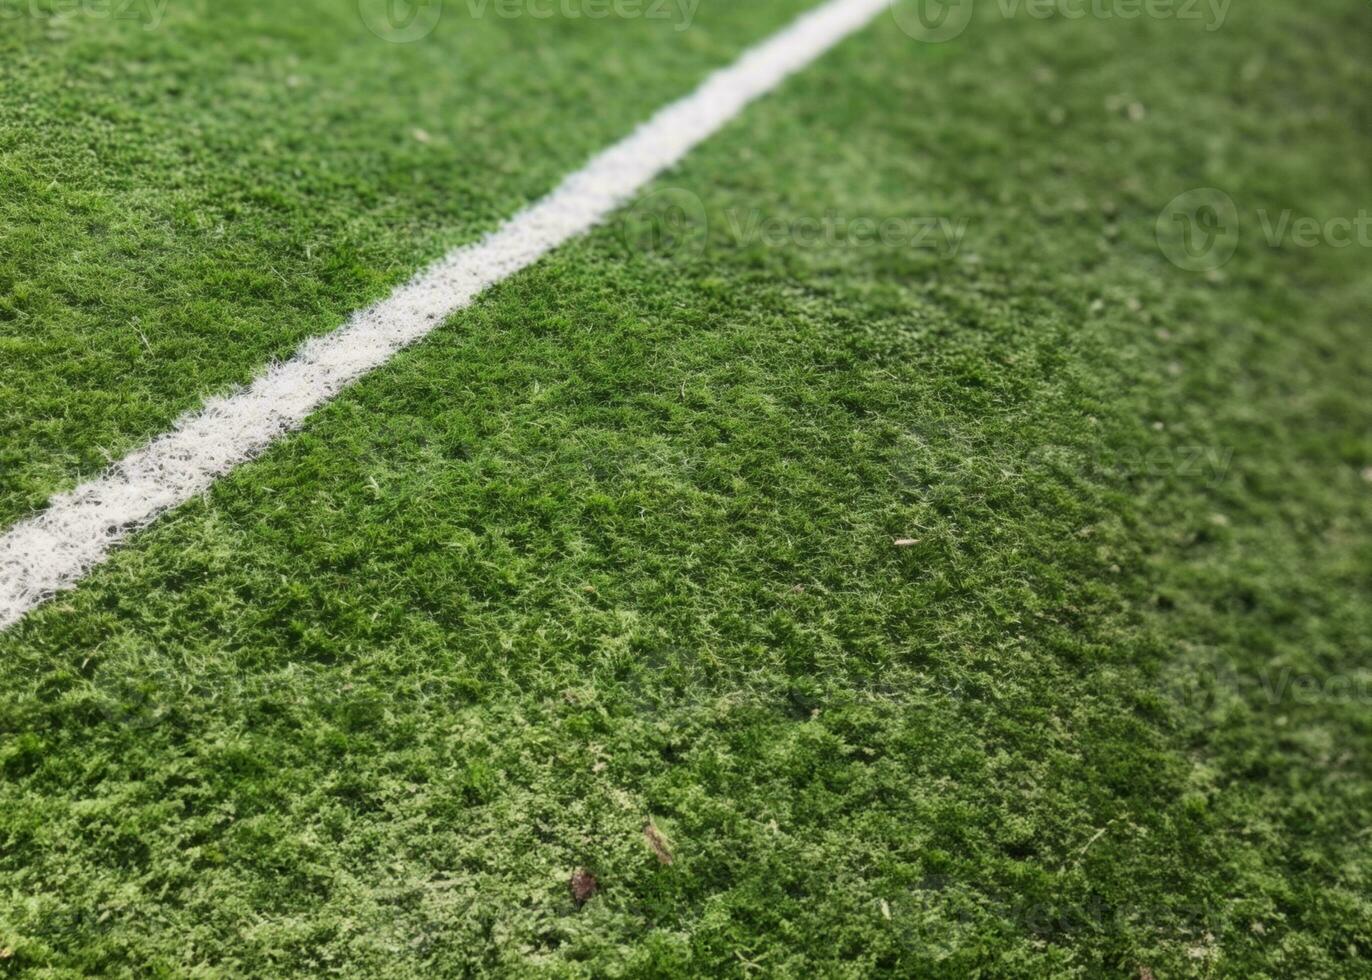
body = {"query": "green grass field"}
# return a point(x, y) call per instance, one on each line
point(995, 603)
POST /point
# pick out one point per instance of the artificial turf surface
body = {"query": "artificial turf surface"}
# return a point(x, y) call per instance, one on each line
point(180, 205)
point(1000, 609)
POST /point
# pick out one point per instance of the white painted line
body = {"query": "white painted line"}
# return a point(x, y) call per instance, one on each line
point(51, 551)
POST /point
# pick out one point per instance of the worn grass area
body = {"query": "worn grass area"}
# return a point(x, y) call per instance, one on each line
point(994, 610)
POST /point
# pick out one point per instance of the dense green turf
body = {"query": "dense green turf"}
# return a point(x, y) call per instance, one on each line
point(178, 206)
point(619, 545)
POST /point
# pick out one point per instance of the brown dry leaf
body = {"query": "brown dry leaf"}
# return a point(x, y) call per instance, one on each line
point(1145, 973)
point(657, 842)
point(583, 886)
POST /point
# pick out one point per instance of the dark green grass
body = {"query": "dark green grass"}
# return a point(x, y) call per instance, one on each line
point(617, 545)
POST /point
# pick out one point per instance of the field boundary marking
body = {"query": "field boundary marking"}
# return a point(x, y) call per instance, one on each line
point(53, 550)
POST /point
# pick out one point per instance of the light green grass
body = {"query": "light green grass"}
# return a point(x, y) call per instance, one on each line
point(617, 545)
